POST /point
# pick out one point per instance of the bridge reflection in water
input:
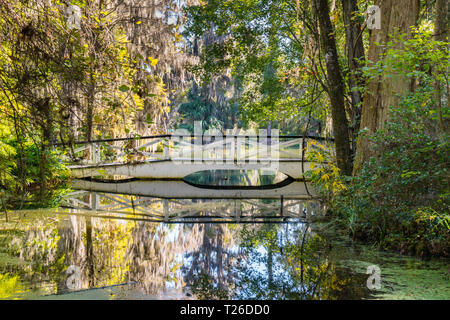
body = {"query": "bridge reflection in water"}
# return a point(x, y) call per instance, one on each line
point(180, 202)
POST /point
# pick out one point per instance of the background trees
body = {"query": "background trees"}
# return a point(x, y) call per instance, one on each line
point(389, 113)
point(305, 44)
point(63, 84)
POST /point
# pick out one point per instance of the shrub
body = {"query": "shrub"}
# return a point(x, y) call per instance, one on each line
point(30, 177)
point(400, 199)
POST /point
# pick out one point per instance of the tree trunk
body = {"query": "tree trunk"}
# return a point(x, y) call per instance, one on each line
point(336, 87)
point(442, 9)
point(397, 16)
point(90, 253)
point(44, 111)
point(355, 56)
point(90, 110)
point(441, 34)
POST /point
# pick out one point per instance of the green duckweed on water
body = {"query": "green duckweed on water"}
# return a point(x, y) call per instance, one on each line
point(404, 277)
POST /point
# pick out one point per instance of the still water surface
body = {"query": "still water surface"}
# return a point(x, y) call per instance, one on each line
point(199, 249)
point(201, 260)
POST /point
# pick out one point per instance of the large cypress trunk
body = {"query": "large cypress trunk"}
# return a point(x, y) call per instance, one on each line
point(397, 16)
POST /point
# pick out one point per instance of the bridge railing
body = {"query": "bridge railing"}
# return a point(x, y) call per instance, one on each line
point(190, 210)
point(246, 148)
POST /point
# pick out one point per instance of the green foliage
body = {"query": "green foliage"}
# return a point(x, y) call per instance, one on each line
point(266, 46)
point(212, 115)
point(65, 84)
point(9, 286)
point(401, 197)
point(7, 166)
point(22, 188)
point(204, 288)
point(323, 173)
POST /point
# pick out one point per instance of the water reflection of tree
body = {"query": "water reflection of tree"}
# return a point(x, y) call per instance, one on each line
point(34, 240)
point(215, 261)
point(151, 258)
point(110, 251)
point(291, 262)
point(219, 178)
point(208, 273)
point(48, 244)
point(71, 246)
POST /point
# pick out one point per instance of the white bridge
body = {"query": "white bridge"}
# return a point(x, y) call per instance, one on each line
point(176, 156)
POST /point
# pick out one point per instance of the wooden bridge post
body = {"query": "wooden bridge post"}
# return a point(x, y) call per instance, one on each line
point(198, 144)
point(94, 153)
point(274, 148)
point(301, 149)
point(94, 201)
point(166, 210)
point(229, 146)
point(253, 140)
point(235, 151)
point(166, 149)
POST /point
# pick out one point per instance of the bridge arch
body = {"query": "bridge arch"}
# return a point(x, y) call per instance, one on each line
point(146, 160)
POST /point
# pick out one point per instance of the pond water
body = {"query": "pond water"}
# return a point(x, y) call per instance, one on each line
point(104, 245)
point(47, 254)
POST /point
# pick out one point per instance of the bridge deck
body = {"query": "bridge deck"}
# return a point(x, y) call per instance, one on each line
point(176, 156)
point(180, 168)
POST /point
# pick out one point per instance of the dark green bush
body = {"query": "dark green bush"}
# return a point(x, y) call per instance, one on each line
point(401, 198)
point(31, 177)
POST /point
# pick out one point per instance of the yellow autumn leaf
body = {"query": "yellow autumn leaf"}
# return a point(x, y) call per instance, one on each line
point(153, 62)
point(320, 158)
